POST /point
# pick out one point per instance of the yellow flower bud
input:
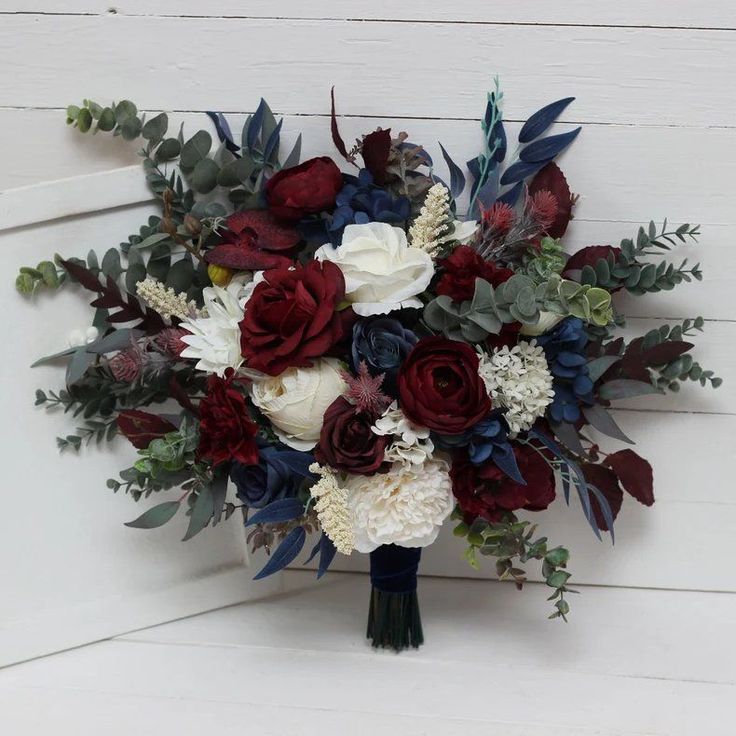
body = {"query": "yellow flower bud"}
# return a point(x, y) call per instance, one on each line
point(219, 275)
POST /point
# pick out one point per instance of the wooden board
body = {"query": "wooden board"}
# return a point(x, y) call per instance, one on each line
point(621, 75)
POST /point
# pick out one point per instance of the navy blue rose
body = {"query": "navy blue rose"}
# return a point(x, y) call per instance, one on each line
point(278, 474)
point(564, 348)
point(383, 343)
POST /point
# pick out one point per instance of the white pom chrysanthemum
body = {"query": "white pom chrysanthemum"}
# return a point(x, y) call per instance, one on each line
point(215, 337)
point(405, 506)
point(518, 379)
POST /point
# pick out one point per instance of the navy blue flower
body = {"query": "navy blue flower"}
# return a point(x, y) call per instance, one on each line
point(564, 348)
point(383, 343)
point(360, 202)
point(279, 474)
point(487, 440)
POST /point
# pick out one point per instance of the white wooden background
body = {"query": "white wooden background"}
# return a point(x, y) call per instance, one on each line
point(654, 87)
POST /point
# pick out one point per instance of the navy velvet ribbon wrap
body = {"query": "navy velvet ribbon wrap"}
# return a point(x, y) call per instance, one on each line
point(394, 569)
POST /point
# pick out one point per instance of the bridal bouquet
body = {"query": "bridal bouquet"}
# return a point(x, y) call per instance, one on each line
point(366, 352)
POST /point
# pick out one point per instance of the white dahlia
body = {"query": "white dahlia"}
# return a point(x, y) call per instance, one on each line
point(519, 380)
point(405, 506)
point(215, 336)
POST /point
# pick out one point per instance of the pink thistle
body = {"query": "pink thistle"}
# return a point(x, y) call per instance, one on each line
point(169, 341)
point(499, 217)
point(542, 206)
point(126, 365)
point(364, 390)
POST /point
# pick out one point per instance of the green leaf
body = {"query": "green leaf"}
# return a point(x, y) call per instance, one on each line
point(204, 177)
point(130, 128)
point(156, 516)
point(111, 264)
point(236, 172)
point(125, 109)
point(201, 513)
point(168, 150)
point(84, 120)
point(195, 149)
point(558, 578)
point(155, 129)
point(181, 275)
point(136, 272)
point(107, 120)
point(623, 388)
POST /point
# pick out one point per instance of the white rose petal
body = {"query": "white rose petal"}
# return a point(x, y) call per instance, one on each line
point(382, 273)
point(295, 400)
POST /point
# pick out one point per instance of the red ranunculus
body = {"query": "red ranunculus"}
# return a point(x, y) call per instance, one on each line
point(226, 431)
point(589, 256)
point(347, 442)
point(306, 189)
point(460, 270)
point(291, 317)
point(486, 491)
point(439, 386)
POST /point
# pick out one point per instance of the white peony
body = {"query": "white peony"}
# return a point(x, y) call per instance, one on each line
point(382, 273)
point(405, 506)
point(215, 336)
point(295, 400)
point(519, 380)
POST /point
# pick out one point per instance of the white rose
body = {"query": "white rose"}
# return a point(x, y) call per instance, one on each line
point(382, 273)
point(405, 506)
point(295, 400)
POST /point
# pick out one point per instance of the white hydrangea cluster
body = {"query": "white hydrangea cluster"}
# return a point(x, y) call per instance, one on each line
point(519, 380)
point(411, 444)
point(405, 506)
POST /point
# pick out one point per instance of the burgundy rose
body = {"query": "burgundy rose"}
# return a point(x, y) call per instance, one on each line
point(462, 268)
point(439, 386)
point(551, 179)
point(226, 431)
point(486, 491)
point(250, 240)
point(291, 317)
point(589, 256)
point(306, 189)
point(347, 442)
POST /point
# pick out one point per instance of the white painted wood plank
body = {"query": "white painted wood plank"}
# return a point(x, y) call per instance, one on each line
point(686, 13)
point(618, 75)
point(620, 172)
point(611, 631)
point(576, 677)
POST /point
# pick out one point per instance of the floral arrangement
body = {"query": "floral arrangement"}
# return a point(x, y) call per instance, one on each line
point(367, 354)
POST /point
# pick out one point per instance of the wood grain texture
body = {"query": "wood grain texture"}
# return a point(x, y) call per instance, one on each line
point(633, 13)
point(487, 667)
point(644, 76)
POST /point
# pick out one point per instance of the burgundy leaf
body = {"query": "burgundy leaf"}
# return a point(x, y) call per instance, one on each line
point(375, 151)
point(606, 481)
point(666, 352)
point(244, 258)
point(336, 137)
point(634, 473)
point(141, 427)
point(550, 177)
point(180, 395)
point(81, 274)
point(261, 229)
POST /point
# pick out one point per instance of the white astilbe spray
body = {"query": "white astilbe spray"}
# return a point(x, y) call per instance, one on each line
point(433, 220)
point(165, 300)
point(519, 380)
point(332, 508)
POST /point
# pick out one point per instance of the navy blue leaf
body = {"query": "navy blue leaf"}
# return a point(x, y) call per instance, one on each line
point(545, 149)
point(223, 131)
point(486, 196)
point(605, 509)
point(499, 134)
point(285, 553)
point(568, 435)
point(457, 178)
point(509, 197)
point(293, 158)
point(314, 551)
point(255, 124)
point(505, 459)
point(599, 418)
point(272, 144)
point(519, 171)
point(285, 509)
point(542, 119)
point(327, 552)
point(474, 168)
point(418, 150)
